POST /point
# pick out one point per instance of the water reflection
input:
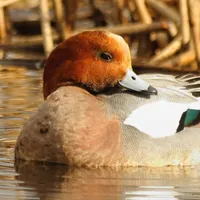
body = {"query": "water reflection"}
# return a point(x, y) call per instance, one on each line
point(20, 95)
point(62, 182)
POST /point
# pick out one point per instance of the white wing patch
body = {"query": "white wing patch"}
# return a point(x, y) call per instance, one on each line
point(159, 119)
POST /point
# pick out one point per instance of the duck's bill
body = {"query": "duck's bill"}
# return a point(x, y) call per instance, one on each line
point(133, 82)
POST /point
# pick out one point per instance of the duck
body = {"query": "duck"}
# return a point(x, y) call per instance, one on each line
point(98, 112)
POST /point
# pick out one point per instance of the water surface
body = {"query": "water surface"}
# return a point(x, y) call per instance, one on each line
point(20, 95)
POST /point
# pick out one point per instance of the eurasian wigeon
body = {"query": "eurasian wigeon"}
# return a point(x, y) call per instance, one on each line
point(98, 112)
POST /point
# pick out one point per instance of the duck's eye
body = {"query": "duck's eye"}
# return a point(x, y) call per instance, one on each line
point(106, 56)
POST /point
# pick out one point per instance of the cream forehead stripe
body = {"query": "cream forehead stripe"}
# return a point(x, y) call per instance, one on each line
point(120, 40)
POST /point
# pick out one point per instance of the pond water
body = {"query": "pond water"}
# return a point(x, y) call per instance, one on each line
point(20, 95)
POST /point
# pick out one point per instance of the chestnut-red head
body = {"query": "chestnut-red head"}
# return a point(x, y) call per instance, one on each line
point(92, 59)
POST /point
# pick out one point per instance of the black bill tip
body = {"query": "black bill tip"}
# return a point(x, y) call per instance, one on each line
point(152, 90)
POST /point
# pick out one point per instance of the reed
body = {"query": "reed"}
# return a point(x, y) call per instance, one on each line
point(166, 32)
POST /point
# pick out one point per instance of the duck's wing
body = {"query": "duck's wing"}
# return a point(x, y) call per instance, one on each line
point(168, 115)
point(164, 118)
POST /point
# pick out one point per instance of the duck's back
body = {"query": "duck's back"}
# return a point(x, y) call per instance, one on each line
point(182, 148)
point(124, 102)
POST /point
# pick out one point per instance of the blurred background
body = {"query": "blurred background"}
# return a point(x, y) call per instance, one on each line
point(162, 34)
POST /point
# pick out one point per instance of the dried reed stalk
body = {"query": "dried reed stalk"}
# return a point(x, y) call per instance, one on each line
point(7, 3)
point(132, 28)
point(185, 27)
point(179, 62)
point(145, 17)
point(164, 10)
point(60, 18)
point(195, 22)
point(168, 51)
point(70, 8)
point(46, 26)
point(2, 24)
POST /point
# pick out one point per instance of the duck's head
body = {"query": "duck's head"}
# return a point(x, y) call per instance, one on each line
point(95, 60)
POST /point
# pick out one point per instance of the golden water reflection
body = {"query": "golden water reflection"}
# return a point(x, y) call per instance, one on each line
point(20, 95)
point(60, 182)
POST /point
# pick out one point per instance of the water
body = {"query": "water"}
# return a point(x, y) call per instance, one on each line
point(20, 95)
